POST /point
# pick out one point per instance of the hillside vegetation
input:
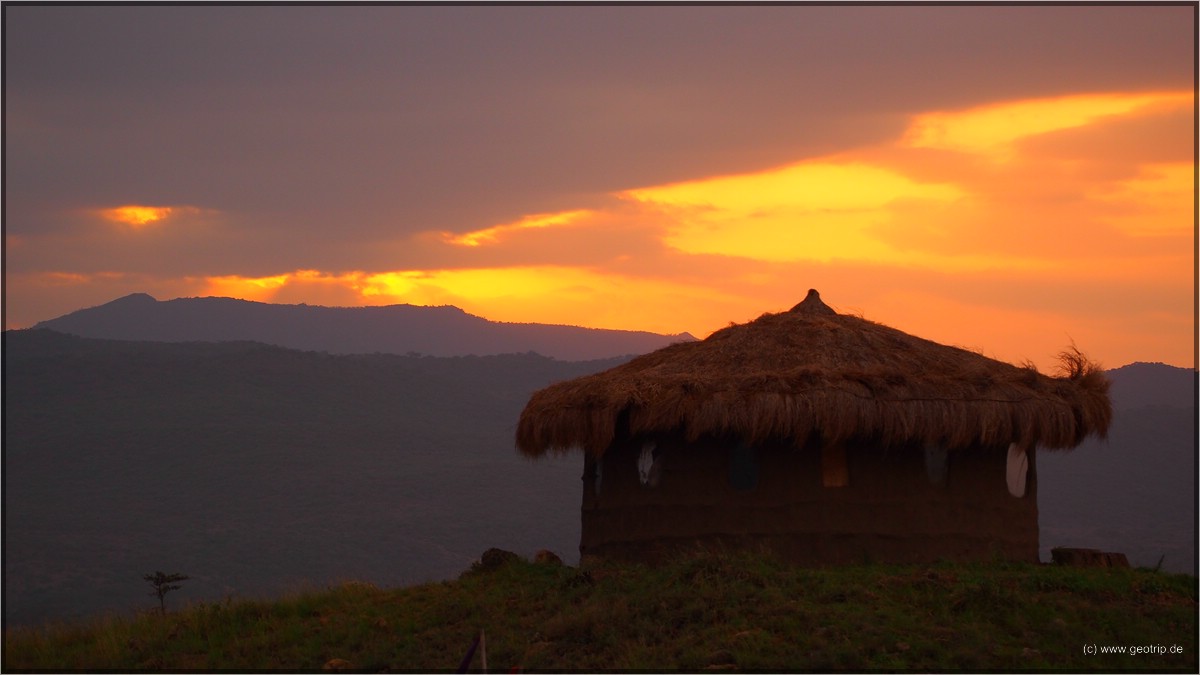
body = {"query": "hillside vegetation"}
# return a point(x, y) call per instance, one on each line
point(706, 612)
point(257, 470)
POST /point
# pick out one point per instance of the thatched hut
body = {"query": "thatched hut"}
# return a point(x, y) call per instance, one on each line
point(823, 437)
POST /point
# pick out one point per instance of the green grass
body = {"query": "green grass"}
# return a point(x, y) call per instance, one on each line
point(730, 612)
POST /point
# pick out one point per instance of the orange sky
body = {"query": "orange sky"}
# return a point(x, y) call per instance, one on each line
point(620, 167)
point(1013, 228)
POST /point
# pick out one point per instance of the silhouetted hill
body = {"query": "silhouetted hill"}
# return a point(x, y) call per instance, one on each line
point(256, 469)
point(1142, 384)
point(1135, 491)
point(394, 329)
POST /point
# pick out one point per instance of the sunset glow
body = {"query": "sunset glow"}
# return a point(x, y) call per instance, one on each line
point(693, 255)
point(988, 129)
point(1159, 201)
point(136, 216)
point(492, 235)
point(1012, 178)
point(340, 244)
point(259, 290)
point(544, 294)
point(815, 211)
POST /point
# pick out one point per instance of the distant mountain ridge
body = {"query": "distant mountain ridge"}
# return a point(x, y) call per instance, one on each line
point(391, 329)
point(1153, 384)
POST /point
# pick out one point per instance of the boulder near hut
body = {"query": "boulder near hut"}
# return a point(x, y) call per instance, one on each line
point(822, 437)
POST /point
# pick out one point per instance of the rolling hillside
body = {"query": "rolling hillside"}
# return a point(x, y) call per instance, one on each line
point(258, 470)
point(699, 614)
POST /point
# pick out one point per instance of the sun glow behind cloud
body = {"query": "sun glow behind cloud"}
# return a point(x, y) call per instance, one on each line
point(142, 217)
point(261, 289)
point(136, 215)
point(533, 294)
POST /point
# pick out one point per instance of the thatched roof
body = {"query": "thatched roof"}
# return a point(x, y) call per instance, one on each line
point(811, 371)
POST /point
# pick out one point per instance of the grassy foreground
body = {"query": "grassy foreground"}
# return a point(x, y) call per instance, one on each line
point(730, 612)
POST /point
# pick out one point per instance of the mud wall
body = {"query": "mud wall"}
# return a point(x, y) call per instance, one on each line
point(894, 506)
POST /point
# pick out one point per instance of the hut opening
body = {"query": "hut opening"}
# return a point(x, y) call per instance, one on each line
point(824, 437)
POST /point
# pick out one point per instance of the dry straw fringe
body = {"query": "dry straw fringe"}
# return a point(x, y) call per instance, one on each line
point(812, 372)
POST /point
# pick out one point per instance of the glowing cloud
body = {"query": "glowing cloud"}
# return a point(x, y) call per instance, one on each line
point(140, 216)
point(137, 216)
point(493, 234)
point(812, 210)
point(990, 129)
point(1159, 201)
point(65, 278)
point(260, 289)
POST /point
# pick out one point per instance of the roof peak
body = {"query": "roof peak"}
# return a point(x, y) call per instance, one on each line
point(811, 304)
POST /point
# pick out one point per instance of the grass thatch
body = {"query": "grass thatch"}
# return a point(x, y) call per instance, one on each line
point(811, 371)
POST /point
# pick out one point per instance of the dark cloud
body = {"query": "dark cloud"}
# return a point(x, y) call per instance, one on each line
point(418, 116)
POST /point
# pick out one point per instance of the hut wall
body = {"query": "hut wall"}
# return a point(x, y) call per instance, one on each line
point(890, 510)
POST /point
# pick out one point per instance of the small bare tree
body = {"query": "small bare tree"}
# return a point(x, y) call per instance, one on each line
point(163, 584)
